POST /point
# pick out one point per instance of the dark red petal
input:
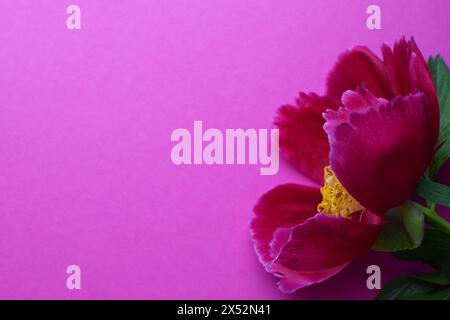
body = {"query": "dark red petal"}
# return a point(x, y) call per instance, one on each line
point(292, 280)
point(321, 247)
point(302, 138)
point(283, 207)
point(396, 63)
point(408, 73)
point(422, 81)
point(357, 67)
point(379, 152)
point(302, 247)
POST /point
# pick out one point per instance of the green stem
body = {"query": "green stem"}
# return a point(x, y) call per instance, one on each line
point(433, 206)
point(434, 220)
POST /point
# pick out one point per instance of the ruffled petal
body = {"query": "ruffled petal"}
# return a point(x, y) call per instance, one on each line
point(357, 67)
point(380, 149)
point(292, 280)
point(320, 247)
point(302, 138)
point(302, 247)
point(282, 207)
point(408, 73)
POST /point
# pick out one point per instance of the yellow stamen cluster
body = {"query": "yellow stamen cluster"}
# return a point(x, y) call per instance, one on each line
point(336, 201)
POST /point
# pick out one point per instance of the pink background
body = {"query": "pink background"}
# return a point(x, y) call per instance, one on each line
point(85, 124)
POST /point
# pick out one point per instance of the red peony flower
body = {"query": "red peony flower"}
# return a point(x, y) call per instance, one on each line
point(367, 141)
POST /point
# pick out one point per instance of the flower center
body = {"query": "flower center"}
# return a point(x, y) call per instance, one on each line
point(336, 201)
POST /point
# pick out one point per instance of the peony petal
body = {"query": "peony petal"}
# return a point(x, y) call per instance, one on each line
point(302, 138)
point(302, 247)
point(358, 100)
point(379, 152)
point(396, 62)
point(324, 242)
point(357, 67)
point(408, 73)
point(292, 280)
point(283, 207)
point(320, 247)
point(422, 81)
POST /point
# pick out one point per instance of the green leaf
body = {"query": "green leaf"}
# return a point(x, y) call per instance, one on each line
point(440, 158)
point(436, 278)
point(440, 294)
point(405, 288)
point(434, 192)
point(445, 268)
point(441, 77)
point(427, 286)
point(404, 229)
point(435, 250)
